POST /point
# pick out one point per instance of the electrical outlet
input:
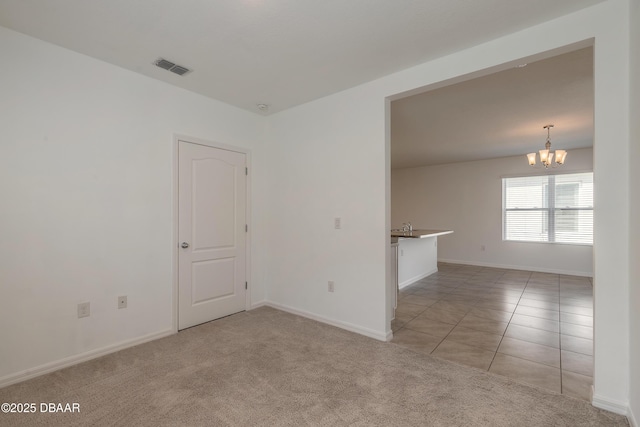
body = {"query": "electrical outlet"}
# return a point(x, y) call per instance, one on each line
point(122, 301)
point(84, 309)
point(331, 286)
point(337, 223)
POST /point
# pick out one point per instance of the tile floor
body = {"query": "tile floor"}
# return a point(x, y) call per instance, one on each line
point(535, 328)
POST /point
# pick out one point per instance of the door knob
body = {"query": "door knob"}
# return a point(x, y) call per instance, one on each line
point(184, 245)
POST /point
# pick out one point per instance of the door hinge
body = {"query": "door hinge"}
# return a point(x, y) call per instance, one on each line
point(246, 228)
point(246, 285)
point(246, 171)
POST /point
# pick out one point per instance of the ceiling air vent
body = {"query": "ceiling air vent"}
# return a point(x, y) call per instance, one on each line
point(170, 66)
point(179, 70)
point(163, 63)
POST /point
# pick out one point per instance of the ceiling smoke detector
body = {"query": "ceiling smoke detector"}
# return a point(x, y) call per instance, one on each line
point(171, 66)
point(263, 107)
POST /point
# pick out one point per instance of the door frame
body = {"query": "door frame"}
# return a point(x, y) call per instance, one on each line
point(175, 217)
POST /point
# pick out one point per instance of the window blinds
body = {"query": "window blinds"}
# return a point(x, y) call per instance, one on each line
point(550, 208)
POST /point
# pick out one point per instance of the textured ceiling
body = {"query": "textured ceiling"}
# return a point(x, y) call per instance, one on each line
point(278, 52)
point(498, 115)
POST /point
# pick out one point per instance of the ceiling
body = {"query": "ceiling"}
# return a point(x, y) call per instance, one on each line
point(277, 52)
point(498, 115)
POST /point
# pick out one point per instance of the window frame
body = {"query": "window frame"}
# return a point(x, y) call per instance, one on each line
point(550, 208)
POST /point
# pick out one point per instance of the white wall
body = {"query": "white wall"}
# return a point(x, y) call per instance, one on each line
point(467, 198)
point(611, 189)
point(328, 161)
point(329, 158)
point(87, 131)
point(86, 186)
point(634, 197)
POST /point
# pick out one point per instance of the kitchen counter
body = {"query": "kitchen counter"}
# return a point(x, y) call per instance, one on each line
point(420, 234)
point(417, 254)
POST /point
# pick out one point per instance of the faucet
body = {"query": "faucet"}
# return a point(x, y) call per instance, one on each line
point(406, 226)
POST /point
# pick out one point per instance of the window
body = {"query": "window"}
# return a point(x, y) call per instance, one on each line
point(550, 208)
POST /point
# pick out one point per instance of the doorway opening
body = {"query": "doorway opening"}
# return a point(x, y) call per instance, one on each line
point(495, 303)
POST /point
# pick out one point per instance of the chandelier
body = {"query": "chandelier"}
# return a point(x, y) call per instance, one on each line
point(546, 155)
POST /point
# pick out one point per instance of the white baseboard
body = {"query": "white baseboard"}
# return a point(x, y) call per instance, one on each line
point(380, 336)
point(79, 358)
point(414, 279)
point(258, 305)
point(610, 405)
point(518, 267)
point(93, 354)
point(633, 421)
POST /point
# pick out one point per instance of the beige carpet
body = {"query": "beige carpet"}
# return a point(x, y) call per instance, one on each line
point(267, 367)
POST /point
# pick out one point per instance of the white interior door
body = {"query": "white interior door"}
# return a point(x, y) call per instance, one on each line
point(212, 234)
